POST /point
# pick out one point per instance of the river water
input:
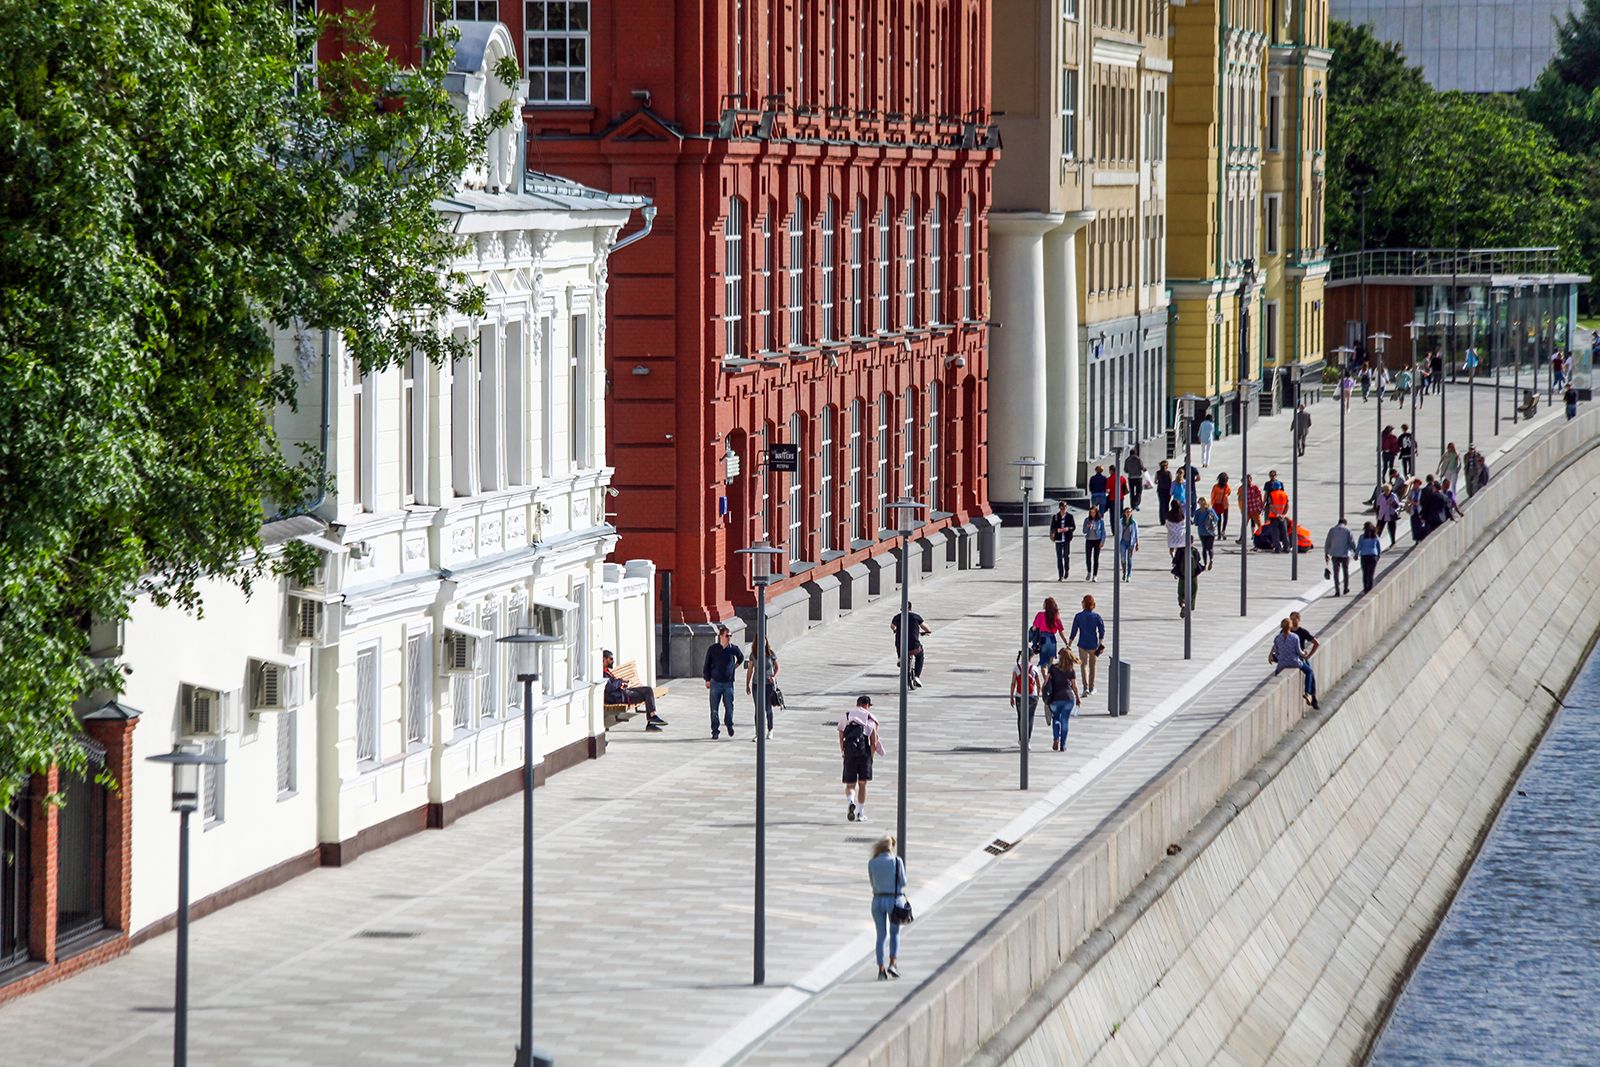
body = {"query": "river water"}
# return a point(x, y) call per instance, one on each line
point(1513, 975)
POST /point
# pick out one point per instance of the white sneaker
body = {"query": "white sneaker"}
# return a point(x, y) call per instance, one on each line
point(861, 814)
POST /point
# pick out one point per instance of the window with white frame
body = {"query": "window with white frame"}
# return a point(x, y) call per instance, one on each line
point(578, 392)
point(913, 288)
point(936, 261)
point(578, 631)
point(463, 421)
point(288, 762)
point(797, 272)
point(367, 705)
point(885, 520)
point(738, 52)
point(968, 233)
point(858, 323)
point(475, 10)
point(830, 255)
point(769, 278)
point(856, 489)
point(1274, 212)
point(825, 480)
point(935, 458)
point(802, 57)
point(1069, 10)
point(488, 673)
point(1274, 113)
point(419, 687)
point(461, 687)
point(489, 438)
point(908, 446)
point(517, 659)
point(547, 393)
point(765, 476)
point(557, 48)
point(885, 265)
point(514, 402)
point(1269, 331)
point(1069, 113)
point(409, 388)
point(214, 793)
point(797, 548)
point(733, 278)
point(364, 411)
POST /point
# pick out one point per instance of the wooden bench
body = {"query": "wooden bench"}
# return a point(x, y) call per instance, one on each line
point(628, 674)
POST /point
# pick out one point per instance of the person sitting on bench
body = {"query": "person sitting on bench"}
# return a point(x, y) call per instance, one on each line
point(1529, 405)
point(620, 692)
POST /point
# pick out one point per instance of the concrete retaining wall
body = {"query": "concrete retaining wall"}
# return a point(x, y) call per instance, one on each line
point(1317, 852)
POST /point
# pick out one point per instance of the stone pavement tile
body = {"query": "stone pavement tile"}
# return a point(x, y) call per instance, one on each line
point(644, 857)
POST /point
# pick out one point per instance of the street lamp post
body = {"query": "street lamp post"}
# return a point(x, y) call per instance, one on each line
point(1187, 403)
point(1516, 357)
point(186, 759)
point(1447, 318)
point(1380, 342)
point(905, 512)
point(526, 643)
point(1027, 468)
point(1121, 438)
point(1498, 337)
point(1415, 327)
point(1245, 382)
point(761, 556)
point(1294, 481)
point(1475, 308)
point(1345, 354)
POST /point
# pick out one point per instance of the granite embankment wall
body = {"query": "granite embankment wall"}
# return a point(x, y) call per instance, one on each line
point(1317, 853)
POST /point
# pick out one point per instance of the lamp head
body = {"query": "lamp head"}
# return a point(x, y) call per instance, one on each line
point(186, 759)
point(1027, 468)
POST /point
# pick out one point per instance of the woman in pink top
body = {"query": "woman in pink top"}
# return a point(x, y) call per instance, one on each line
point(1047, 631)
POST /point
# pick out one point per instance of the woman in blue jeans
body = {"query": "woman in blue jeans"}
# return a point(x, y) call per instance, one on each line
point(1061, 691)
point(887, 873)
point(1287, 654)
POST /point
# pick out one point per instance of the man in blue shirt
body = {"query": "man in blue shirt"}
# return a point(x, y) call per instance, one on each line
point(723, 660)
point(1097, 488)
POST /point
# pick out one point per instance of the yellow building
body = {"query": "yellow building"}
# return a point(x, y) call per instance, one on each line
point(1248, 136)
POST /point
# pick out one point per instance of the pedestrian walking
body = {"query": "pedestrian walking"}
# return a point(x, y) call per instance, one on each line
point(1089, 632)
point(859, 743)
point(1062, 527)
point(1390, 445)
point(1366, 380)
point(1097, 488)
point(1129, 543)
point(1221, 503)
point(1250, 503)
point(720, 669)
point(918, 629)
point(1557, 365)
point(1436, 371)
point(1094, 535)
point(1368, 549)
point(1338, 549)
point(1347, 388)
point(886, 871)
point(1383, 381)
point(1188, 583)
point(1034, 686)
point(1452, 505)
point(1403, 381)
point(774, 694)
point(618, 692)
point(1408, 450)
point(1302, 428)
point(1472, 469)
point(1449, 464)
point(1133, 467)
point(1208, 437)
point(1176, 533)
point(1180, 493)
point(1163, 489)
point(1273, 483)
point(1061, 697)
point(1047, 630)
point(1570, 399)
point(1435, 505)
point(1205, 525)
point(1287, 654)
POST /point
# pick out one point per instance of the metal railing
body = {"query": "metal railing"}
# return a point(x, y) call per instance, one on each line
point(1437, 262)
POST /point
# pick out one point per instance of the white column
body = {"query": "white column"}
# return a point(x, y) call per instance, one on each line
point(1062, 407)
point(1017, 378)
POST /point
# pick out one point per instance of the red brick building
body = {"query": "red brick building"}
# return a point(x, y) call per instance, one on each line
point(817, 273)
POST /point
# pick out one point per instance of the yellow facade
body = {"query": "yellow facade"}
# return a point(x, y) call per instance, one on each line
point(1246, 191)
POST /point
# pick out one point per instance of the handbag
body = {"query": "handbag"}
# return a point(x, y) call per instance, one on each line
point(900, 914)
point(774, 696)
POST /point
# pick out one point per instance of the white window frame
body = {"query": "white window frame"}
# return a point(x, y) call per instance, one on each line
point(830, 256)
point(1069, 113)
point(364, 438)
point(412, 459)
point(856, 489)
point(418, 684)
point(463, 685)
point(578, 455)
point(1069, 10)
point(1272, 213)
point(489, 410)
point(1270, 315)
point(913, 285)
point(935, 460)
point(547, 387)
point(286, 773)
point(464, 422)
point(797, 496)
point(885, 266)
point(214, 787)
point(908, 445)
point(487, 676)
point(968, 237)
point(885, 521)
point(514, 400)
point(369, 704)
point(577, 630)
point(826, 421)
point(936, 261)
point(733, 279)
point(797, 272)
point(540, 43)
point(858, 322)
point(769, 282)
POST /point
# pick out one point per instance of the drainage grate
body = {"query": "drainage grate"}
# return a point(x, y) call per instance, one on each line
point(977, 750)
point(998, 847)
point(388, 935)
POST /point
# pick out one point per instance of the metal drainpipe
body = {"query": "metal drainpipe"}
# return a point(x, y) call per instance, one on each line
point(649, 213)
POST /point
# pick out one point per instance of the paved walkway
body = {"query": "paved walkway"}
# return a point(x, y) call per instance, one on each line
point(411, 954)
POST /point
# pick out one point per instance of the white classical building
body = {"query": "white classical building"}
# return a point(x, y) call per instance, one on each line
point(467, 500)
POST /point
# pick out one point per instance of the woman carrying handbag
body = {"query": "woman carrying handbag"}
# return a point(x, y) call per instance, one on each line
point(774, 694)
point(890, 908)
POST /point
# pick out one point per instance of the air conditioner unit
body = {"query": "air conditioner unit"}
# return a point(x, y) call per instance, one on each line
point(463, 649)
point(307, 620)
point(277, 686)
point(204, 714)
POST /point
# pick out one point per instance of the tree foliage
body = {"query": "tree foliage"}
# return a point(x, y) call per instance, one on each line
point(1441, 170)
point(1566, 101)
point(172, 187)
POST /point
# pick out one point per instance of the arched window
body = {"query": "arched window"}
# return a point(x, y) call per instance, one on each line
point(885, 520)
point(908, 447)
point(857, 487)
point(830, 257)
point(797, 272)
point(968, 233)
point(769, 281)
point(797, 496)
point(825, 427)
point(858, 325)
point(913, 288)
point(884, 265)
point(935, 442)
point(733, 279)
point(935, 261)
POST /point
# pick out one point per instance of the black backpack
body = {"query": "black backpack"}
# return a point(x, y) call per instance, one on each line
point(856, 743)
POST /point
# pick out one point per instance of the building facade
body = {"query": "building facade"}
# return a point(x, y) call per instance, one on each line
point(1248, 136)
point(1079, 232)
point(365, 697)
point(1474, 46)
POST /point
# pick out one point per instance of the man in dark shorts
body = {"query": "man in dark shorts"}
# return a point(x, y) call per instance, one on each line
point(858, 743)
point(918, 628)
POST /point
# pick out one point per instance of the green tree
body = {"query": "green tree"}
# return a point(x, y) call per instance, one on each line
point(1566, 101)
point(172, 187)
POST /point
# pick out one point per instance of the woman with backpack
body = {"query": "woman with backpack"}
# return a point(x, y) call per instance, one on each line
point(774, 695)
point(858, 744)
point(1047, 630)
point(1061, 696)
point(1034, 685)
point(886, 871)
